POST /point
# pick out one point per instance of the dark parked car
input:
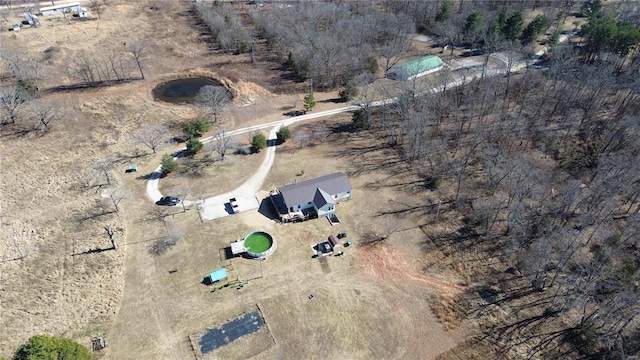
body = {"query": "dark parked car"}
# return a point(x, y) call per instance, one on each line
point(168, 201)
point(474, 52)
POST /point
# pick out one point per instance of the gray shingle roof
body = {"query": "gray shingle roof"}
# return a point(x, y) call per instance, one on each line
point(302, 192)
point(322, 198)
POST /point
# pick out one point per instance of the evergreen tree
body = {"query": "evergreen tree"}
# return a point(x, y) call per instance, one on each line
point(349, 92)
point(474, 24)
point(169, 164)
point(445, 11)
point(309, 102)
point(513, 26)
point(258, 142)
point(284, 134)
point(536, 27)
point(194, 145)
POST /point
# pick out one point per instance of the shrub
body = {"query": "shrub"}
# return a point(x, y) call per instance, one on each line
point(51, 347)
point(372, 64)
point(284, 134)
point(360, 119)
point(349, 92)
point(243, 151)
point(197, 128)
point(193, 146)
point(190, 130)
point(29, 86)
point(258, 142)
point(433, 182)
point(169, 164)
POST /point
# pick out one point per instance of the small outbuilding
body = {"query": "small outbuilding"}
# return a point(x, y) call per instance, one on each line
point(237, 247)
point(416, 68)
point(218, 275)
point(326, 247)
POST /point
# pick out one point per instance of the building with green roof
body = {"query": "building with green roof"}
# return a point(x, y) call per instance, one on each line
point(416, 68)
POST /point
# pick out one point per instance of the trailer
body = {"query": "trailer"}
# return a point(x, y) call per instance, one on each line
point(66, 8)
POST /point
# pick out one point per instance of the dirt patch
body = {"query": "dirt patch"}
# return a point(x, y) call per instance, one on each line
point(382, 261)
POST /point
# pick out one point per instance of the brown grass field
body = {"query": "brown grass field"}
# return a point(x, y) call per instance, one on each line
point(375, 302)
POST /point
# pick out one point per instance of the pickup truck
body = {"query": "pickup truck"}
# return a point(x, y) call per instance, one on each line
point(234, 205)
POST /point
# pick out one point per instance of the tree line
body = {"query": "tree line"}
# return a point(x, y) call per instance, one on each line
point(330, 43)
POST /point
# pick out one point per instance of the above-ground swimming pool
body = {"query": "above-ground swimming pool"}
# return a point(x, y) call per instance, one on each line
point(259, 244)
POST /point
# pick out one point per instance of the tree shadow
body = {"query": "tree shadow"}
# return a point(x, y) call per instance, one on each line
point(294, 113)
point(332, 101)
point(20, 132)
point(152, 176)
point(93, 251)
point(348, 128)
point(83, 86)
point(98, 212)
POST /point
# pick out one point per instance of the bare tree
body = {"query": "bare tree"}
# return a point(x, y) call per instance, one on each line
point(174, 235)
point(97, 6)
point(104, 167)
point(222, 143)
point(320, 132)
point(6, 11)
point(111, 233)
point(155, 137)
point(12, 98)
point(139, 52)
point(182, 192)
point(396, 42)
point(212, 100)
point(172, 238)
point(117, 196)
point(45, 114)
point(82, 68)
point(301, 138)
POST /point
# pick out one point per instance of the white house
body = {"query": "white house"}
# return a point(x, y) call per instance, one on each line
point(311, 198)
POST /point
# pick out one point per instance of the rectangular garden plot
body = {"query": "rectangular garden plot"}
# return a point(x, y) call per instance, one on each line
point(242, 337)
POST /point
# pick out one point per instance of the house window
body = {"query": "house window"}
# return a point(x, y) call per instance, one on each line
point(330, 208)
point(291, 208)
point(309, 203)
point(298, 206)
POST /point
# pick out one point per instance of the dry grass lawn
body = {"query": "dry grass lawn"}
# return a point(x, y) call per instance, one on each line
point(372, 303)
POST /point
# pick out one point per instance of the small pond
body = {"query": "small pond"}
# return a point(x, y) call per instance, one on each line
point(182, 90)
